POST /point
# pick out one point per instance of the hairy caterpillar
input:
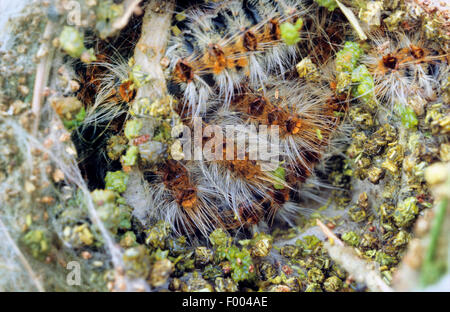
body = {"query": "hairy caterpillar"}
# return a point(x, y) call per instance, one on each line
point(305, 115)
point(406, 68)
point(224, 45)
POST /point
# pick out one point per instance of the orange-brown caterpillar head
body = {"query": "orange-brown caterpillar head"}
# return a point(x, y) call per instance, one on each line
point(293, 125)
point(272, 30)
point(257, 107)
point(417, 52)
point(127, 92)
point(176, 179)
point(250, 41)
point(390, 61)
point(184, 71)
point(216, 58)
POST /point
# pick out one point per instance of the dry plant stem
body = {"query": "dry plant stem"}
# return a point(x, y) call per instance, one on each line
point(152, 45)
point(42, 73)
point(352, 20)
point(148, 54)
point(333, 238)
point(361, 270)
point(22, 258)
point(130, 7)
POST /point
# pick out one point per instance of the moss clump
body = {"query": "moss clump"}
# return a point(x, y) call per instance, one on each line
point(332, 284)
point(76, 121)
point(112, 210)
point(405, 212)
point(71, 111)
point(407, 116)
point(132, 128)
point(351, 238)
point(239, 262)
point(329, 4)
point(116, 181)
point(131, 156)
point(290, 32)
point(348, 57)
point(345, 62)
point(364, 90)
point(36, 241)
point(72, 42)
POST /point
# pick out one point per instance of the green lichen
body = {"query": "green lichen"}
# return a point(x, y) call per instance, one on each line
point(137, 262)
point(37, 242)
point(203, 256)
point(329, 4)
point(117, 145)
point(405, 212)
point(315, 275)
point(72, 42)
point(107, 13)
point(364, 89)
point(157, 235)
point(128, 240)
point(351, 238)
point(279, 175)
point(290, 32)
point(332, 284)
point(76, 121)
point(261, 245)
point(132, 128)
point(407, 116)
point(112, 210)
point(116, 181)
point(384, 259)
point(136, 75)
point(131, 156)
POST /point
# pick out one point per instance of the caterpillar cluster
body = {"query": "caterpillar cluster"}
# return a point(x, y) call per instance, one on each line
point(230, 64)
point(225, 45)
point(199, 196)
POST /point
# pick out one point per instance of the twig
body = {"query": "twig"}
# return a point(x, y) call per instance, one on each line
point(152, 45)
point(130, 7)
point(331, 236)
point(353, 20)
point(361, 270)
point(42, 73)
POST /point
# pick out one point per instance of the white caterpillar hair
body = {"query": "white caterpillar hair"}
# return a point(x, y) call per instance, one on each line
point(404, 67)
